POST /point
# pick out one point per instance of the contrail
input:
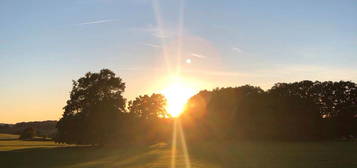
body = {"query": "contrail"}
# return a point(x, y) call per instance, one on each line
point(152, 45)
point(96, 22)
point(198, 55)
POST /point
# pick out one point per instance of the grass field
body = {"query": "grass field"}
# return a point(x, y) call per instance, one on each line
point(14, 153)
point(8, 136)
point(9, 142)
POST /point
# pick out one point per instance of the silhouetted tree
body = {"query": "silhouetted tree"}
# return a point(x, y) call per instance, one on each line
point(149, 107)
point(94, 110)
point(272, 117)
point(287, 111)
point(150, 122)
point(212, 114)
point(336, 102)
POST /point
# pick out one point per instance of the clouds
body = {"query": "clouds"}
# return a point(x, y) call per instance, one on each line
point(236, 49)
point(96, 22)
point(198, 55)
point(152, 45)
point(155, 31)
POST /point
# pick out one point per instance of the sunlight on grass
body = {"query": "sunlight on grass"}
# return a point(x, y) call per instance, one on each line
point(185, 158)
point(18, 144)
point(207, 155)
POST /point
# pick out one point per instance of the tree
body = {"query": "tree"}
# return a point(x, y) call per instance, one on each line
point(212, 114)
point(94, 109)
point(28, 133)
point(249, 113)
point(336, 102)
point(150, 122)
point(149, 107)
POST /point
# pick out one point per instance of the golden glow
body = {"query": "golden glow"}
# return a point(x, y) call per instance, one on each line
point(177, 93)
point(188, 61)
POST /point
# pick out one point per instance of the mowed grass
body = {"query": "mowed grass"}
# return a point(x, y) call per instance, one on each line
point(8, 136)
point(202, 155)
point(10, 142)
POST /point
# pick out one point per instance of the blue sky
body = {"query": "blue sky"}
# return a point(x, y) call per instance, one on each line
point(46, 44)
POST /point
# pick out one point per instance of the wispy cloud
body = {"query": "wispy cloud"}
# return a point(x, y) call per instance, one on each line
point(156, 31)
point(236, 49)
point(197, 55)
point(97, 22)
point(152, 45)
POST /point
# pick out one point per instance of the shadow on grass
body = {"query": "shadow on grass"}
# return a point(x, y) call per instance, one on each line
point(276, 154)
point(77, 157)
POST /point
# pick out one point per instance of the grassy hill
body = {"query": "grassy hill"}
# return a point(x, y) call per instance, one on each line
point(205, 155)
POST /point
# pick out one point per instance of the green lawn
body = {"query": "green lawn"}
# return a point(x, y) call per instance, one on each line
point(9, 142)
point(8, 136)
point(14, 153)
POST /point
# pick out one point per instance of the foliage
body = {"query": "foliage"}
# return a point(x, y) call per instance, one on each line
point(148, 120)
point(94, 109)
point(96, 114)
point(287, 111)
point(149, 107)
point(337, 103)
point(28, 133)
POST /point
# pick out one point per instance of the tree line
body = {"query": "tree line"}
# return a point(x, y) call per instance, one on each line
point(303, 110)
point(44, 129)
point(98, 114)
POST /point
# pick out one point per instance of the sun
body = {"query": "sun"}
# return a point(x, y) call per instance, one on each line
point(177, 93)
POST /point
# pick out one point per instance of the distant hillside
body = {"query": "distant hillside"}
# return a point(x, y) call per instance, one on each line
point(43, 128)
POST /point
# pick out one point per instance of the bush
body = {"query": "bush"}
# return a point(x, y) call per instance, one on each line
point(28, 133)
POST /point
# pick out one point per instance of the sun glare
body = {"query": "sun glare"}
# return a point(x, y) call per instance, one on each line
point(177, 93)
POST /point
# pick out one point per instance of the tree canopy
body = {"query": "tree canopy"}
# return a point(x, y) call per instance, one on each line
point(290, 111)
point(149, 107)
point(93, 110)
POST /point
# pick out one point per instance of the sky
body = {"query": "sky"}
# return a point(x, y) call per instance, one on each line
point(44, 45)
